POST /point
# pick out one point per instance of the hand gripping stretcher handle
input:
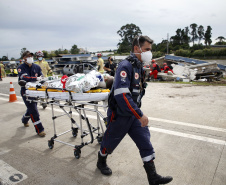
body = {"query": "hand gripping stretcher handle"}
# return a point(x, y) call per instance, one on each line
point(70, 95)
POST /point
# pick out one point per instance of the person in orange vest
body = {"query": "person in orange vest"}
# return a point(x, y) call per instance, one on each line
point(154, 69)
point(166, 68)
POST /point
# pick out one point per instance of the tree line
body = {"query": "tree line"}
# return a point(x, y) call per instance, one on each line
point(74, 50)
point(180, 41)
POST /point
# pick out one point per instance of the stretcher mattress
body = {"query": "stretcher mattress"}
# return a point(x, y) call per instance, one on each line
point(66, 96)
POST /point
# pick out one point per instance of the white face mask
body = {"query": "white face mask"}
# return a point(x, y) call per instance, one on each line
point(40, 58)
point(145, 56)
point(30, 60)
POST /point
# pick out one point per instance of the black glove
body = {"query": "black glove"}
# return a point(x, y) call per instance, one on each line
point(22, 83)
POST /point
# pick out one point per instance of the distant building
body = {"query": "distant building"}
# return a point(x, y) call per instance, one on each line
point(83, 51)
point(105, 53)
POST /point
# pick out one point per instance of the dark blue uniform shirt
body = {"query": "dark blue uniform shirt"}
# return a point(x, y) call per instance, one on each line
point(127, 89)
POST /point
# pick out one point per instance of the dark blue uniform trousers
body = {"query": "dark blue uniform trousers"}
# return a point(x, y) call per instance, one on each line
point(118, 128)
point(31, 112)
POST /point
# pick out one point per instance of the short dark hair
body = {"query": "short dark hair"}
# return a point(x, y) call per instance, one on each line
point(26, 53)
point(141, 40)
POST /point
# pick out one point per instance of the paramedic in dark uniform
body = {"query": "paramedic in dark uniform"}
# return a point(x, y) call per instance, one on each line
point(30, 72)
point(124, 114)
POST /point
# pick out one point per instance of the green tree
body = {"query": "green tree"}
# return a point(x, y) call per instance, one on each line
point(162, 47)
point(124, 47)
point(22, 51)
point(208, 35)
point(193, 32)
point(5, 58)
point(74, 49)
point(52, 54)
point(200, 33)
point(65, 51)
point(177, 39)
point(45, 54)
point(127, 34)
point(221, 40)
point(57, 52)
point(185, 36)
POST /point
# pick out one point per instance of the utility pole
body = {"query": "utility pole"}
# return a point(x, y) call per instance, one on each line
point(167, 45)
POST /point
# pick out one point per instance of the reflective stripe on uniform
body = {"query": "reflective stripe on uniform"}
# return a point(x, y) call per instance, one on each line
point(23, 75)
point(121, 90)
point(26, 116)
point(37, 122)
point(130, 107)
point(148, 158)
point(136, 90)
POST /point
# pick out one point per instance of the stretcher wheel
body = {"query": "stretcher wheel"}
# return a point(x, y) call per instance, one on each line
point(50, 144)
point(44, 105)
point(74, 132)
point(77, 153)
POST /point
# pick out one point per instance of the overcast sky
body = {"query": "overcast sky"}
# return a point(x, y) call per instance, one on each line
point(53, 24)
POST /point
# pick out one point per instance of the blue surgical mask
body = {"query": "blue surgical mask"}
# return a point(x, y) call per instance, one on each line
point(40, 58)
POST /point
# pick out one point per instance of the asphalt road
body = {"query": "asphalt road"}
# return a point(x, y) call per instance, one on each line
point(188, 131)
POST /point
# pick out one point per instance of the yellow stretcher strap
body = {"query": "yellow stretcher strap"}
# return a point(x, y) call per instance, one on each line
point(56, 90)
point(42, 89)
point(97, 90)
point(105, 90)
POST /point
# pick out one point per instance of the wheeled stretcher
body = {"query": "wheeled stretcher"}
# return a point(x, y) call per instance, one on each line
point(68, 102)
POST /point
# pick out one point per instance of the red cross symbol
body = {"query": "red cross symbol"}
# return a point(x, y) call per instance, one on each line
point(123, 74)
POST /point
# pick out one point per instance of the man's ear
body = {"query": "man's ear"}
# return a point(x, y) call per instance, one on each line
point(136, 49)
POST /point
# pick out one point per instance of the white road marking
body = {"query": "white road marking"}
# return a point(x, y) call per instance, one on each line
point(201, 138)
point(4, 151)
point(8, 95)
point(188, 124)
point(9, 175)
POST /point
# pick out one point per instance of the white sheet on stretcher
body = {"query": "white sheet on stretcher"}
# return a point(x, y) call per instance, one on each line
point(65, 95)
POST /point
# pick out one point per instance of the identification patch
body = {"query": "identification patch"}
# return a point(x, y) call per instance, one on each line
point(36, 74)
point(19, 70)
point(136, 76)
point(123, 74)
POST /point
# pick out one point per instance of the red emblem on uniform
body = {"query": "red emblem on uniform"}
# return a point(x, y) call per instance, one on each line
point(36, 74)
point(136, 76)
point(19, 70)
point(123, 74)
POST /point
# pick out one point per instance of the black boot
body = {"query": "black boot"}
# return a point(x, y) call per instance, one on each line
point(102, 165)
point(153, 177)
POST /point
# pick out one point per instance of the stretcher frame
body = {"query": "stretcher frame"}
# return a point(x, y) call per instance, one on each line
point(80, 108)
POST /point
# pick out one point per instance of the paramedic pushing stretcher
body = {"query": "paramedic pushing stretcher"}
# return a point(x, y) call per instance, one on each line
point(30, 72)
point(124, 114)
